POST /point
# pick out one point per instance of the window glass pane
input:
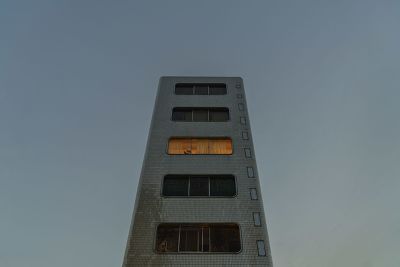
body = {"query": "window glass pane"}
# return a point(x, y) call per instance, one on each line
point(180, 114)
point(257, 219)
point(206, 239)
point(191, 238)
point(178, 146)
point(217, 89)
point(261, 248)
point(200, 146)
point(219, 115)
point(200, 115)
point(184, 89)
point(250, 172)
point(201, 89)
point(175, 186)
point(217, 146)
point(220, 146)
point(253, 194)
point(222, 186)
point(199, 186)
point(167, 238)
point(225, 238)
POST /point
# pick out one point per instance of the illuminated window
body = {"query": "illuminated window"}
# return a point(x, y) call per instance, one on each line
point(199, 185)
point(196, 237)
point(200, 89)
point(200, 114)
point(200, 146)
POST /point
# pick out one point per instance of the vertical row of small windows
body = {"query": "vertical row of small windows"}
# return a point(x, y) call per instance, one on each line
point(200, 89)
point(250, 172)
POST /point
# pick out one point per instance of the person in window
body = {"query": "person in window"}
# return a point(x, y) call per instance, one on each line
point(163, 246)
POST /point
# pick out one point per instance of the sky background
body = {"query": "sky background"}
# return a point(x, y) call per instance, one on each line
point(77, 87)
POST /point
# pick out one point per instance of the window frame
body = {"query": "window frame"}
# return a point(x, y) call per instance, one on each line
point(200, 137)
point(197, 224)
point(184, 176)
point(209, 85)
point(208, 109)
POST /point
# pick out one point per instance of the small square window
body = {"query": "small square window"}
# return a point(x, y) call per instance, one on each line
point(243, 120)
point(239, 96)
point(257, 218)
point(250, 172)
point(261, 248)
point(238, 85)
point(245, 135)
point(247, 152)
point(241, 106)
point(253, 194)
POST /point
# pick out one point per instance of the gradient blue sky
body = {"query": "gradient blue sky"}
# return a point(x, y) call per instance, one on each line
point(77, 86)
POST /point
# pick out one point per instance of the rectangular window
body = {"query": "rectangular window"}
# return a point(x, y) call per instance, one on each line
point(257, 219)
point(245, 135)
point(200, 146)
point(200, 89)
point(253, 194)
point(250, 172)
point(200, 114)
point(175, 186)
point(199, 185)
point(243, 120)
point(241, 106)
point(247, 152)
point(196, 237)
point(261, 248)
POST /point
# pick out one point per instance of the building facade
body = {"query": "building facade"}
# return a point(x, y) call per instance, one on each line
point(199, 200)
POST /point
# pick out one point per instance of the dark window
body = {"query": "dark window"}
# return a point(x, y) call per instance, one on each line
point(182, 115)
point(199, 185)
point(200, 114)
point(198, 238)
point(222, 186)
point(225, 238)
point(184, 89)
point(167, 238)
point(218, 89)
point(200, 89)
point(175, 186)
point(219, 114)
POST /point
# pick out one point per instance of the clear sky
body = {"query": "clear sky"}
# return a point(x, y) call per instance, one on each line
point(77, 87)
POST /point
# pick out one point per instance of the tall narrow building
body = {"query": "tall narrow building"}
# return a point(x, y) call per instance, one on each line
point(199, 199)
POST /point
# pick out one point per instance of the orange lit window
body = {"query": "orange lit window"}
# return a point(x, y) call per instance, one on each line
point(200, 146)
